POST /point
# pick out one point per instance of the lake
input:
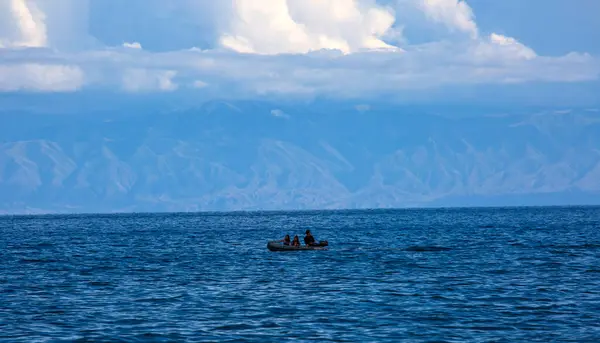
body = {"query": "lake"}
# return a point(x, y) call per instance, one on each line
point(415, 275)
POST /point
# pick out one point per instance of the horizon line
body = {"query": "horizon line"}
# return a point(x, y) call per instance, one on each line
point(296, 211)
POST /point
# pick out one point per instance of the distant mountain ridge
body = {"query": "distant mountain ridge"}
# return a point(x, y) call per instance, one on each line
point(261, 155)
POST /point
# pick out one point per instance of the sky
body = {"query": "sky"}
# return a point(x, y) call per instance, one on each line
point(339, 48)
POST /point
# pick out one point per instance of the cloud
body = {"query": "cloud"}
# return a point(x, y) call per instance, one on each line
point(134, 45)
point(455, 14)
point(41, 77)
point(499, 46)
point(300, 26)
point(40, 23)
point(421, 67)
point(143, 80)
point(24, 24)
point(199, 84)
point(286, 47)
point(279, 113)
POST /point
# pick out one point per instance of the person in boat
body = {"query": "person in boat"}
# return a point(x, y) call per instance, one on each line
point(296, 242)
point(286, 240)
point(309, 239)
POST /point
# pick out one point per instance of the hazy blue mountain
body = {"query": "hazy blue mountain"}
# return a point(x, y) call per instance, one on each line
point(246, 155)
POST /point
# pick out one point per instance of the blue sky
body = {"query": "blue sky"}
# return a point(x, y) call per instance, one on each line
point(551, 27)
point(342, 48)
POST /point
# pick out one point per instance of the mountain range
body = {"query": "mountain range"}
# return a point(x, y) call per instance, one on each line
point(266, 155)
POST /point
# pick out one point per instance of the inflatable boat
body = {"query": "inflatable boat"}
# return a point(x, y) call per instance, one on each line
point(279, 246)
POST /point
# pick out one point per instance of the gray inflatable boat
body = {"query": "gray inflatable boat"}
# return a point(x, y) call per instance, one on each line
point(279, 246)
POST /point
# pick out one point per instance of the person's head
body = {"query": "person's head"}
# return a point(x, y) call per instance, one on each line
point(296, 239)
point(287, 237)
point(307, 232)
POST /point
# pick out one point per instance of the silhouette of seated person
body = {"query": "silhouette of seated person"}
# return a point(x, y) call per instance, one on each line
point(309, 239)
point(296, 241)
point(286, 240)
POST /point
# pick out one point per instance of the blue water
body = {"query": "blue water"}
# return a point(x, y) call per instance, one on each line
point(460, 275)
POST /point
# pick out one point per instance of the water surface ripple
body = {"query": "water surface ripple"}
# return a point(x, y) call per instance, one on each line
point(445, 275)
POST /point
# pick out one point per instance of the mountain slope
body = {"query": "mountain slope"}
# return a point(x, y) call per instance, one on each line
point(260, 155)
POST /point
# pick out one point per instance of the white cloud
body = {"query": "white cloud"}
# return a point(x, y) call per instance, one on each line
point(23, 23)
point(279, 113)
point(455, 14)
point(282, 42)
point(44, 23)
point(40, 77)
point(134, 45)
point(142, 80)
point(199, 84)
point(504, 47)
point(428, 66)
point(300, 26)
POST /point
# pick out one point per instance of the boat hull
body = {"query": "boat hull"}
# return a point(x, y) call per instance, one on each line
point(278, 246)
